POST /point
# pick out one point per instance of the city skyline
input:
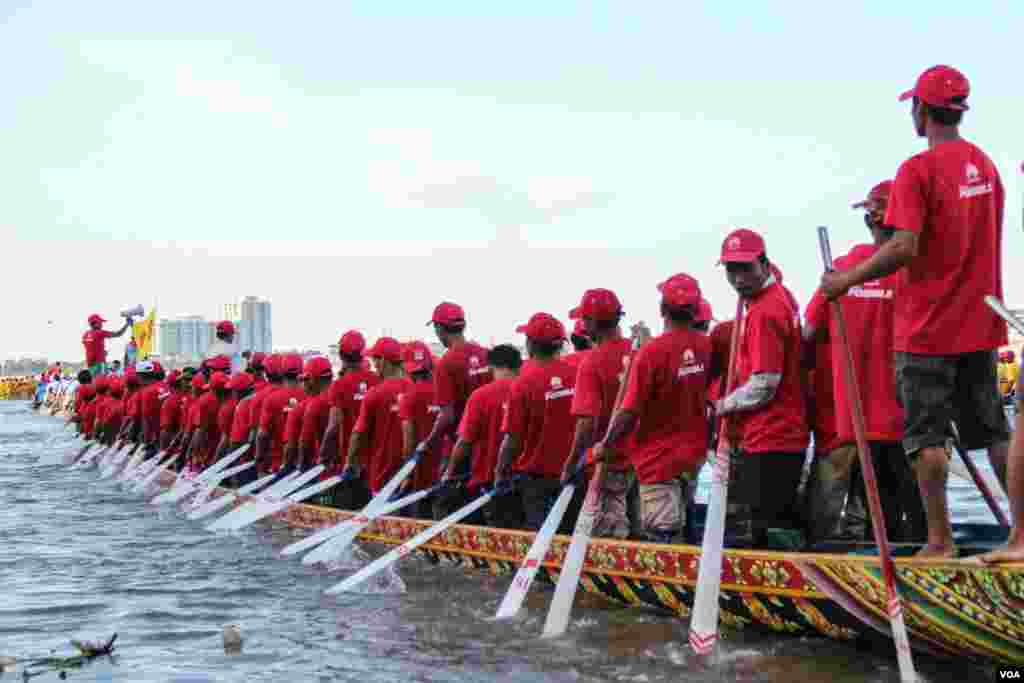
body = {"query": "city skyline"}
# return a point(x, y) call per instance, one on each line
point(188, 337)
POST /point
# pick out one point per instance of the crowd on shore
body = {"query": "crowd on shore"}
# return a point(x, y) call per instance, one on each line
point(653, 409)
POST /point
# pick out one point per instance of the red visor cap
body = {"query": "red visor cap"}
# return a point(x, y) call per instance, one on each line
point(116, 387)
point(447, 313)
point(543, 327)
point(741, 246)
point(218, 380)
point(597, 304)
point(273, 364)
point(131, 378)
point(388, 349)
point(240, 382)
point(879, 193)
point(318, 367)
point(96, 318)
point(680, 290)
point(225, 327)
point(222, 363)
point(941, 86)
point(199, 381)
point(352, 343)
point(291, 364)
point(416, 357)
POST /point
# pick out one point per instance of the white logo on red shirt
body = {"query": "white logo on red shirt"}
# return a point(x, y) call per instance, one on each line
point(557, 391)
point(689, 366)
point(976, 184)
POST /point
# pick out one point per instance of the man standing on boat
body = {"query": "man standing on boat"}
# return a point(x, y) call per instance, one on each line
point(663, 412)
point(226, 345)
point(95, 342)
point(598, 377)
point(461, 370)
point(768, 406)
point(868, 311)
point(946, 208)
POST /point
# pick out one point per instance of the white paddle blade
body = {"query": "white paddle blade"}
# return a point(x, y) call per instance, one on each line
point(272, 495)
point(410, 545)
point(516, 593)
point(155, 474)
point(221, 502)
point(296, 497)
point(704, 622)
point(572, 566)
point(342, 535)
point(210, 486)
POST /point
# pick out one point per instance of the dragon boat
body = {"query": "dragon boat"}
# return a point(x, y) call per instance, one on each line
point(953, 608)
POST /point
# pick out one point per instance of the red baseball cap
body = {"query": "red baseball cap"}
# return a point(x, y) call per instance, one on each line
point(941, 86)
point(86, 391)
point(416, 357)
point(318, 366)
point(198, 381)
point(257, 359)
point(879, 193)
point(219, 363)
point(741, 246)
point(273, 364)
point(96, 318)
point(579, 329)
point(218, 380)
point(352, 343)
point(387, 348)
point(447, 313)
point(704, 313)
point(543, 327)
point(131, 378)
point(226, 327)
point(101, 383)
point(680, 290)
point(597, 304)
point(240, 382)
point(291, 364)
point(116, 387)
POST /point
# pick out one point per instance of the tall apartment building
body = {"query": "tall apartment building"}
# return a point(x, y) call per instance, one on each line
point(187, 337)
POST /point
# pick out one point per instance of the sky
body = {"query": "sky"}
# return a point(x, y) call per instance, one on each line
point(357, 163)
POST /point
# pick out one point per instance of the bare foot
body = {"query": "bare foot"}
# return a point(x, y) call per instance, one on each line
point(1012, 552)
point(936, 552)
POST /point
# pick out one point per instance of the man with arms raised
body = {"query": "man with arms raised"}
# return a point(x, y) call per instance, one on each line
point(946, 207)
point(767, 407)
point(95, 342)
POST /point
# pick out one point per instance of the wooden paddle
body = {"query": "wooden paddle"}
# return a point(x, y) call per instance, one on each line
point(704, 622)
point(895, 608)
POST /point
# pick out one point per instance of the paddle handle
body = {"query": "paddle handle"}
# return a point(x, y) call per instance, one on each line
point(904, 656)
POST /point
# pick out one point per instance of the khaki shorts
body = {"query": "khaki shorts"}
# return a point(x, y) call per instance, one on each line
point(662, 510)
point(612, 519)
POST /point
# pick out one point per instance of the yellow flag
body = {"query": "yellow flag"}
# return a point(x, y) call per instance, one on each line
point(143, 333)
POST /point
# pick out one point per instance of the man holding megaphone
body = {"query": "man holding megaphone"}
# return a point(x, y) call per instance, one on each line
point(95, 340)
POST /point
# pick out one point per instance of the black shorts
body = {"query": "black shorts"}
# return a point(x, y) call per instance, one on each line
point(767, 482)
point(937, 391)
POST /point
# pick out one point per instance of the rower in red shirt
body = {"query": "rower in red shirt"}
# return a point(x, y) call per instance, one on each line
point(597, 384)
point(111, 420)
point(237, 433)
point(461, 370)
point(189, 417)
point(661, 423)
point(274, 414)
point(318, 373)
point(376, 442)
point(95, 342)
point(538, 429)
point(346, 395)
point(226, 414)
point(946, 208)
point(294, 412)
point(768, 402)
point(171, 409)
point(418, 412)
point(132, 408)
point(274, 378)
point(151, 375)
point(206, 429)
point(87, 411)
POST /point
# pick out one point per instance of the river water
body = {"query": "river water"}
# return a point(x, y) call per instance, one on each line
point(83, 559)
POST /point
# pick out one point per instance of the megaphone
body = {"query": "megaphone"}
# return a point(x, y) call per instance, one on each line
point(136, 312)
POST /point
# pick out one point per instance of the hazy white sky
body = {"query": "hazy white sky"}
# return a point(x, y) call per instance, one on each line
point(356, 163)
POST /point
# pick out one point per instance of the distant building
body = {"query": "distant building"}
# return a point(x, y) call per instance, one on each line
point(253, 320)
point(186, 339)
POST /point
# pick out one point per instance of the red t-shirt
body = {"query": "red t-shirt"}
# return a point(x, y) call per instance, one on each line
point(347, 394)
point(226, 416)
point(770, 342)
point(597, 384)
point(191, 411)
point(481, 426)
point(667, 390)
point(273, 417)
point(205, 417)
point(314, 422)
point(242, 423)
point(133, 404)
point(170, 411)
point(113, 416)
point(379, 421)
point(88, 413)
point(95, 343)
point(150, 404)
point(869, 312)
point(822, 417)
point(540, 413)
point(951, 196)
point(258, 397)
point(575, 358)
point(417, 405)
point(293, 421)
point(461, 370)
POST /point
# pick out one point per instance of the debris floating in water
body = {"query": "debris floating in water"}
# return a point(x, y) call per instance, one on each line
point(232, 637)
